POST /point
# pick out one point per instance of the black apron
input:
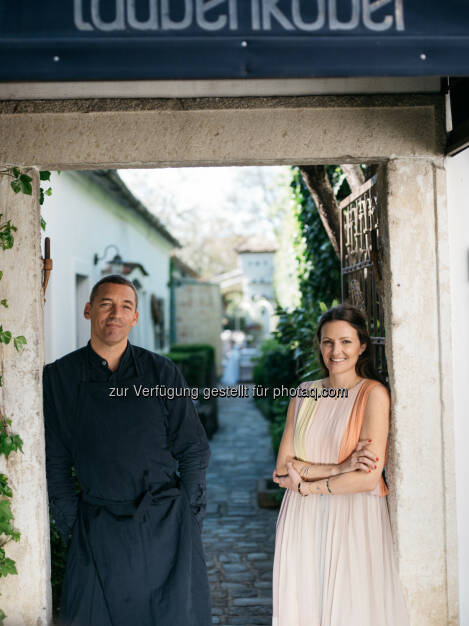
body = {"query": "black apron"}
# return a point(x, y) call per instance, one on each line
point(135, 554)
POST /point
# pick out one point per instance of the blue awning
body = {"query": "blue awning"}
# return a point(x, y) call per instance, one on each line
point(61, 40)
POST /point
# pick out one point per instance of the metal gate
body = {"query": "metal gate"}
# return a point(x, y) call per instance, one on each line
point(361, 262)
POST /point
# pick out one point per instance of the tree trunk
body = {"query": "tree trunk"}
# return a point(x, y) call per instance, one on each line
point(353, 174)
point(317, 181)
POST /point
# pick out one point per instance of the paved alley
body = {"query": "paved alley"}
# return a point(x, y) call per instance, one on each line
point(238, 535)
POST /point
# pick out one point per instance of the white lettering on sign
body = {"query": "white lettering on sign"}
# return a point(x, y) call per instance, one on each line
point(353, 21)
point(222, 15)
point(309, 26)
point(255, 15)
point(399, 14)
point(204, 6)
point(270, 10)
point(118, 23)
point(149, 24)
point(168, 24)
point(369, 8)
point(78, 17)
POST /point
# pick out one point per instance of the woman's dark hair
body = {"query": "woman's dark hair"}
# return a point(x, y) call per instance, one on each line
point(115, 279)
point(356, 318)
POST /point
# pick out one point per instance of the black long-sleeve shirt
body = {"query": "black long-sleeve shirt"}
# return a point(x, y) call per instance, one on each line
point(186, 439)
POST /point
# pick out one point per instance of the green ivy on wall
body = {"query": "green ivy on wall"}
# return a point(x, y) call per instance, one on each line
point(10, 441)
point(293, 349)
point(318, 275)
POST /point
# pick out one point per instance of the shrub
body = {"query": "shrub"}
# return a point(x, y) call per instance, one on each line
point(275, 367)
point(196, 347)
point(292, 355)
point(193, 366)
point(277, 424)
point(197, 364)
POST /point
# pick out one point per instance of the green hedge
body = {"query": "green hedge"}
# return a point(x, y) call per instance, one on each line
point(193, 366)
point(277, 424)
point(276, 367)
point(292, 356)
point(196, 347)
point(197, 364)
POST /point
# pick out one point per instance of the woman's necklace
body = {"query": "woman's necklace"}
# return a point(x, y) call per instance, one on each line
point(357, 380)
point(354, 384)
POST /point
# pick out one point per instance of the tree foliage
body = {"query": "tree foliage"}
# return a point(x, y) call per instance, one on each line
point(319, 275)
point(293, 349)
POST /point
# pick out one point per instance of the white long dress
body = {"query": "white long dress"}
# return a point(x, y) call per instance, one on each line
point(334, 563)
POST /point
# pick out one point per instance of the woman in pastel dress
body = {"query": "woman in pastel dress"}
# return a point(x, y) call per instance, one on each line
point(334, 563)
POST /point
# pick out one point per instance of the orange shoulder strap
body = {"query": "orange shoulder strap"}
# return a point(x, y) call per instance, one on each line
point(354, 427)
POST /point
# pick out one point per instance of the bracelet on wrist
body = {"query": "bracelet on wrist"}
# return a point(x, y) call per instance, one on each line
point(327, 485)
point(299, 491)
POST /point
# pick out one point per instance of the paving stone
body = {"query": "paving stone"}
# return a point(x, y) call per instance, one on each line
point(265, 566)
point(257, 556)
point(230, 557)
point(263, 584)
point(244, 577)
point(216, 611)
point(239, 536)
point(252, 602)
point(234, 567)
point(260, 620)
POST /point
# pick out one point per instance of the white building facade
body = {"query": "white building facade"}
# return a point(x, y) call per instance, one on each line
point(92, 219)
point(256, 262)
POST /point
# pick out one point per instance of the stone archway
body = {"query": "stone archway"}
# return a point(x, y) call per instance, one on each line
point(406, 133)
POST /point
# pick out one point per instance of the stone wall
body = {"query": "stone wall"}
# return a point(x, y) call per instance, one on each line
point(407, 132)
point(418, 347)
point(230, 131)
point(199, 316)
point(25, 598)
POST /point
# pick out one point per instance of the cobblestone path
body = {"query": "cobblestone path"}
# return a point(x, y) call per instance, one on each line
point(238, 535)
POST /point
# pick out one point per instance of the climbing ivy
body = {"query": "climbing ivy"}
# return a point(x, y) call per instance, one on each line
point(10, 441)
point(293, 349)
point(318, 274)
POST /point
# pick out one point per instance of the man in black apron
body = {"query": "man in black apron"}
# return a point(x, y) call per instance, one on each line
point(135, 553)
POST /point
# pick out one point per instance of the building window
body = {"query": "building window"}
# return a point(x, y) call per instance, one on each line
point(82, 326)
point(157, 314)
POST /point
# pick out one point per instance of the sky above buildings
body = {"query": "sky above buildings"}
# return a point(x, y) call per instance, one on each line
point(242, 200)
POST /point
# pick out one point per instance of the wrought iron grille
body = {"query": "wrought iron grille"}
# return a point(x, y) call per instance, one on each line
point(360, 262)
